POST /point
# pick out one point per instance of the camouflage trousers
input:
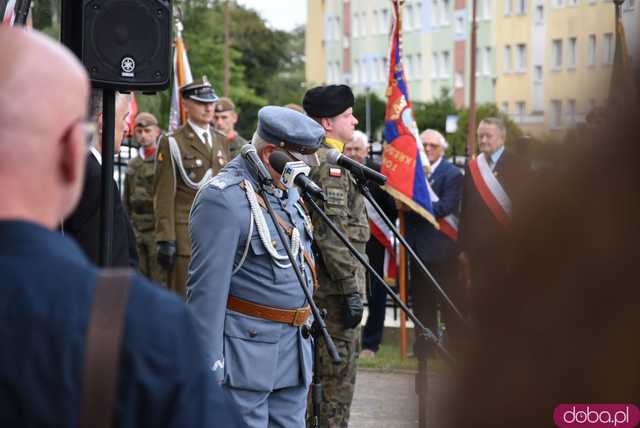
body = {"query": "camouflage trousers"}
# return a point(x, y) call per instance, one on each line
point(338, 382)
point(148, 255)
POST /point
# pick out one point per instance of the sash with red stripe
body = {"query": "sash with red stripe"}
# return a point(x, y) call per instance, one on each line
point(490, 189)
point(449, 223)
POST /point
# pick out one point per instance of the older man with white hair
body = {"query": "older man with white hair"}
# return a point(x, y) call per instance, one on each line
point(437, 250)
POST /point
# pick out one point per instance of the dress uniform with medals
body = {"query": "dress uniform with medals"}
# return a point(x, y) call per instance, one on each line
point(249, 305)
point(186, 160)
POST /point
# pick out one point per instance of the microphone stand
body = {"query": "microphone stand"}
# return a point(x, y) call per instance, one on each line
point(364, 189)
point(318, 327)
point(424, 331)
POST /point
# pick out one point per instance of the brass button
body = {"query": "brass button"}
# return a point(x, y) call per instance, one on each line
point(253, 333)
point(274, 243)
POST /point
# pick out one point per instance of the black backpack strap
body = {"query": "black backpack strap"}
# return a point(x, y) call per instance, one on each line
point(102, 349)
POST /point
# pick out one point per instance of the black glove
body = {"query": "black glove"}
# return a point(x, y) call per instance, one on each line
point(352, 310)
point(167, 254)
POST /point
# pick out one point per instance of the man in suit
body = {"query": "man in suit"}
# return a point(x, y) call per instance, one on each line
point(437, 249)
point(250, 307)
point(186, 160)
point(84, 223)
point(492, 187)
point(48, 283)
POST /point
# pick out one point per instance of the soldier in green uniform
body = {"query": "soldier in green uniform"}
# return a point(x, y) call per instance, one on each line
point(224, 121)
point(138, 195)
point(187, 158)
point(342, 278)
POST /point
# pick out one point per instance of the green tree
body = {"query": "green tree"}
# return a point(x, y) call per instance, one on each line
point(433, 115)
point(377, 113)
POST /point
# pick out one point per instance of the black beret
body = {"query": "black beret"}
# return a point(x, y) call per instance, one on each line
point(327, 101)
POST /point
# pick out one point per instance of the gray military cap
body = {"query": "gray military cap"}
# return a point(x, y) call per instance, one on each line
point(295, 132)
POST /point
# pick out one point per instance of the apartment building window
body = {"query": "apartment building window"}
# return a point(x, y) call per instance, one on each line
point(628, 5)
point(591, 50)
point(507, 60)
point(571, 112)
point(521, 109)
point(557, 3)
point(356, 71)
point(385, 67)
point(417, 19)
point(521, 60)
point(445, 64)
point(505, 107)
point(540, 14)
point(337, 33)
point(409, 70)
point(486, 9)
point(409, 17)
point(521, 7)
point(418, 66)
point(486, 64)
point(507, 7)
point(355, 28)
point(572, 2)
point(435, 65)
point(375, 21)
point(478, 60)
point(573, 52)
point(446, 8)
point(556, 113)
point(556, 52)
point(460, 24)
point(458, 80)
point(435, 13)
point(537, 73)
point(363, 23)
point(607, 49)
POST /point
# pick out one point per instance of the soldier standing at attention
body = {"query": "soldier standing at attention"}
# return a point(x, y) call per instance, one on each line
point(138, 195)
point(187, 158)
point(225, 118)
point(342, 278)
point(247, 300)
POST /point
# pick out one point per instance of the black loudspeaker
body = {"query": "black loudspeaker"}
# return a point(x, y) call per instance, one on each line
point(124, 44)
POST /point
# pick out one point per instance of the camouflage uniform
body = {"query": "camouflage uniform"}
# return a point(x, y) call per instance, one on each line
point(339, 274)
point(232, 149)
point(138, 200)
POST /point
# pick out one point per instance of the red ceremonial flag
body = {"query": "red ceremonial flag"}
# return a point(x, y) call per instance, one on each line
point(403, 157)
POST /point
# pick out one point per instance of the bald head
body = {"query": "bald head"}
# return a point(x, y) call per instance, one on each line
point(43, 102)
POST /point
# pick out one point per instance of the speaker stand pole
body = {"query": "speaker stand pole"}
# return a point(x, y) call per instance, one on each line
point(106, 202)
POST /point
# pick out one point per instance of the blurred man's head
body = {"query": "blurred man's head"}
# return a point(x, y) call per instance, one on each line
point(199, 100)
point(358, 148)
point(332, 107)
point(492, 134)
point(120, 125)
point(146, 129)
point(434, 144)
point(225, 116)
point(41, 161)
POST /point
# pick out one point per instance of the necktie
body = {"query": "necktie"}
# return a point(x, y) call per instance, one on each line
point(490, 162)
point(205, 137)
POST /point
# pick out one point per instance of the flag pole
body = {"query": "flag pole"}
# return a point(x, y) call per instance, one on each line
point(403, 289)
point(227, 71)
point(471, 133)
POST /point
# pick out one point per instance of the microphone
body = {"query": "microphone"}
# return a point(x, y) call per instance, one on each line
point(334, 157)
point(249, 153)
point(295, 173)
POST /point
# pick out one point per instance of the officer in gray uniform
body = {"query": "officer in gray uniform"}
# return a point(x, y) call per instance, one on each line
point(242, 289)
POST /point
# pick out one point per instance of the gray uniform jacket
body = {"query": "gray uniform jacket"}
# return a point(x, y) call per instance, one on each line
point(245, 352)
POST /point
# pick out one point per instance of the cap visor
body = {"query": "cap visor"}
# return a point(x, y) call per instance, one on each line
point(311, 160)
point(204, 99)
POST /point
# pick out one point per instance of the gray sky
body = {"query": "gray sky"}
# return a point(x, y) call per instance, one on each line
point(279, 14)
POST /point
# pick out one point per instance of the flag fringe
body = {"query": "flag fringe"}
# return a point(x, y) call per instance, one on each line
point(411, 204)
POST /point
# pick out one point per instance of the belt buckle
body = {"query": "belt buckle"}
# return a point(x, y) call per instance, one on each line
point(298, 317)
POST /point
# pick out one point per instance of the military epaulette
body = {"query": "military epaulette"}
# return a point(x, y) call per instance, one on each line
point(216, 131)
point(222, 181)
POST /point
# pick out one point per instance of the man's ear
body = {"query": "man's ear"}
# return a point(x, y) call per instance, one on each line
point(326, 123)
point(73, 151)
point(234, 117)
point(266, 152)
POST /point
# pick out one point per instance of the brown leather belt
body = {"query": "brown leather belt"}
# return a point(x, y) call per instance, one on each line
point(294, 317)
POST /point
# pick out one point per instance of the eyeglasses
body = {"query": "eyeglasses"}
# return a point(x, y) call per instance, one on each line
point(432, 146)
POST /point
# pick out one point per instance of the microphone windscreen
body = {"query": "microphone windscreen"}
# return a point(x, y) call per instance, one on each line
point(278, 160)
point(332, 156)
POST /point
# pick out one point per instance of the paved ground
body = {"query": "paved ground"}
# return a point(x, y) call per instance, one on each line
point(386, 400)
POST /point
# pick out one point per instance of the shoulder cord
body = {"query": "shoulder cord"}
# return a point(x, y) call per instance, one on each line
point(265, 235)
point(177, 158)
point(246, 247)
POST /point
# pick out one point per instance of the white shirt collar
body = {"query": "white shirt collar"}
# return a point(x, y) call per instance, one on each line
point(96, 154)
point(199, 131)
point(435, 165)
point(495, 157)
